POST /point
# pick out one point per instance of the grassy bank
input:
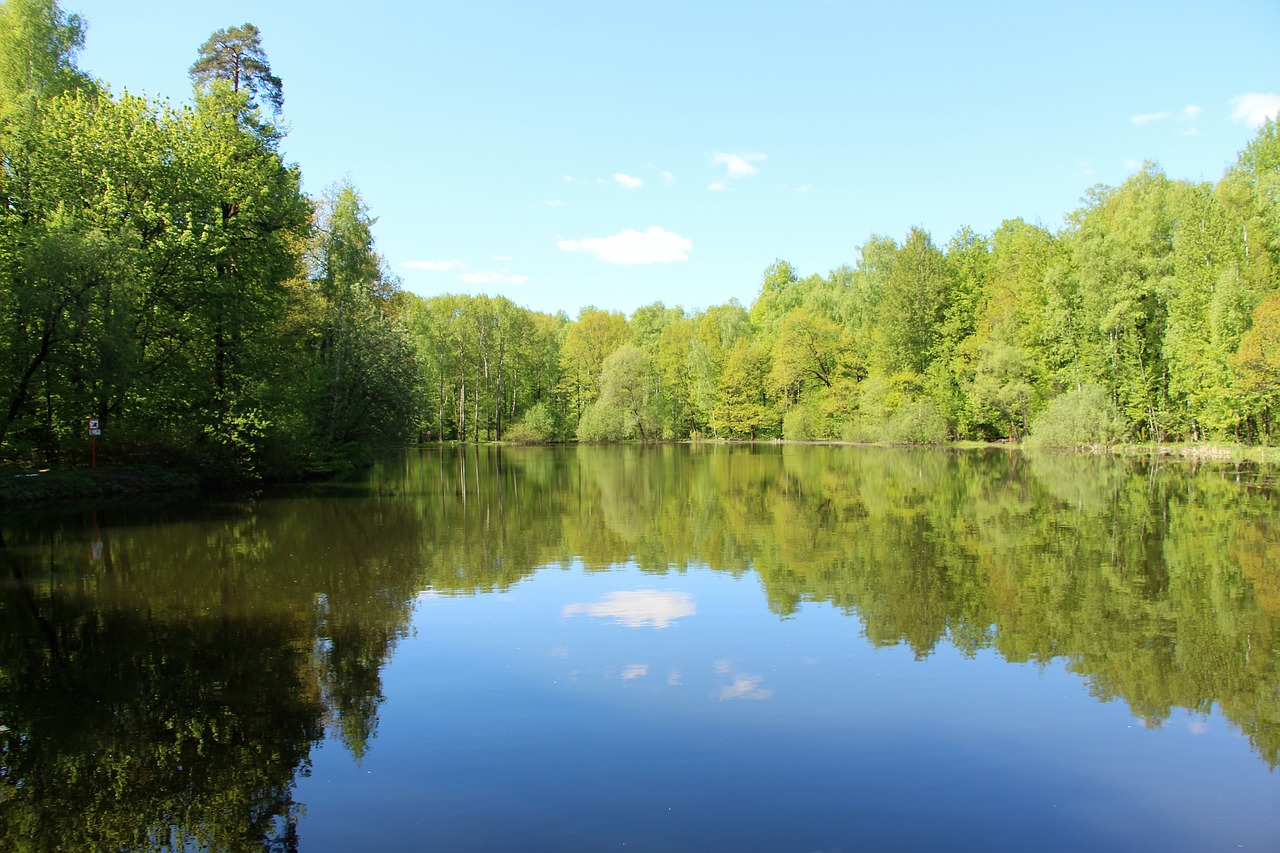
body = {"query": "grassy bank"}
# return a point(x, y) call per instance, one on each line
point(19, 486)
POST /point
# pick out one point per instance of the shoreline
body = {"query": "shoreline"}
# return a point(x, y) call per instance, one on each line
point(26, 488)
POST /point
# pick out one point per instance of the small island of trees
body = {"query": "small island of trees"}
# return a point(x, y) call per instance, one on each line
point(162, 271)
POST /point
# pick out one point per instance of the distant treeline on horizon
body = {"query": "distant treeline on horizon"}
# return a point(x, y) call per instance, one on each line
point(164, 272)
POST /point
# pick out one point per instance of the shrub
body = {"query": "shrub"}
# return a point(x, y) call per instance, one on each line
point(602, 422)
point(918, 422)
point(798, 424)
point(538, 426)
point(1085, 417)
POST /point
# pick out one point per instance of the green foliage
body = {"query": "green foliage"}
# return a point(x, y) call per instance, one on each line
point(152, 267)
point(537, 427)
point(805, 422)
point(163, 271)
point(1082, 417)
point(717, 330)
point(602, 422)
point(896, 409)
point(38, 47)
point(234, 57)
point(587, 343)
point(1003, 384)
point(912, 306)
point(629, 384)
point(810, 352)
point(744, 408)
point(1257, 364)
point(916, 422)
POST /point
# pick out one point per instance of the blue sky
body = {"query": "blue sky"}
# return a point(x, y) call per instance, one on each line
point(614, 154)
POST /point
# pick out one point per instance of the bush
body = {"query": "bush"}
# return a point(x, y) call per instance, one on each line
point(918, 422)
point(602, 422)
point(798, 424)
point(1085, 417)
point(897, 409)
point(538, 426)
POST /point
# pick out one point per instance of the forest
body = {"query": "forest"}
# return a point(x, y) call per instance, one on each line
point(164, 272)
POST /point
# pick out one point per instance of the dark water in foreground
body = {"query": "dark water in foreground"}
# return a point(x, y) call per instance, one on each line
point(668, 648)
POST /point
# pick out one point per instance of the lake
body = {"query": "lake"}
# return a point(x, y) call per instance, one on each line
point(666, 648)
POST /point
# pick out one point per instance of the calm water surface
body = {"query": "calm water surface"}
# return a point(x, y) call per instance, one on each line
point(667, 648)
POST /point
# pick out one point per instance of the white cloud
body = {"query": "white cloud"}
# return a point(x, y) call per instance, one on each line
point(639, 608)
point(1147, 118)
point(554, 202)
point(497, 259)
point(717, 186)
point(667, 177)
point(434, 266)
point(626, 181)
point(1189, 113)
point(745, 686)
point(654, 246)
point(1132, 165)
point(803, 188)
point(491, 277)
point(1255, 107)
point(636, 670)
point(738, 165)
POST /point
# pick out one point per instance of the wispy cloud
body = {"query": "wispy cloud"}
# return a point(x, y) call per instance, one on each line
point(717, 186)
point(1255, 108)
point(640, 608)
point(629, 182)
point(738, 165)
point(636, 670)
point(492, 277)
point(1187, 114)
point(1148, 118)
point(667, 177)
point(553, 202)
point(434, 266)
point(652, 246)
point(497, 259)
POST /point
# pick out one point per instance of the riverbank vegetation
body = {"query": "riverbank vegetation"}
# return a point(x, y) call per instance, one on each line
point(164, 273)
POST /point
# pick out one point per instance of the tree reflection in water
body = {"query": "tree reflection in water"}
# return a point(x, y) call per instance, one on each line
point(165, 674)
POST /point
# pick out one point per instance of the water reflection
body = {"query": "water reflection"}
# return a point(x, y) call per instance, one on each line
point(166, 676)
point(640, 608)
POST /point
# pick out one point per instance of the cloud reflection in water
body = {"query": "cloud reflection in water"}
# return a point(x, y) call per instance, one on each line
point(640, 608)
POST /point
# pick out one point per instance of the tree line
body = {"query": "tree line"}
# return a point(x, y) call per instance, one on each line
point(1152, 314)
point(164, 272)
